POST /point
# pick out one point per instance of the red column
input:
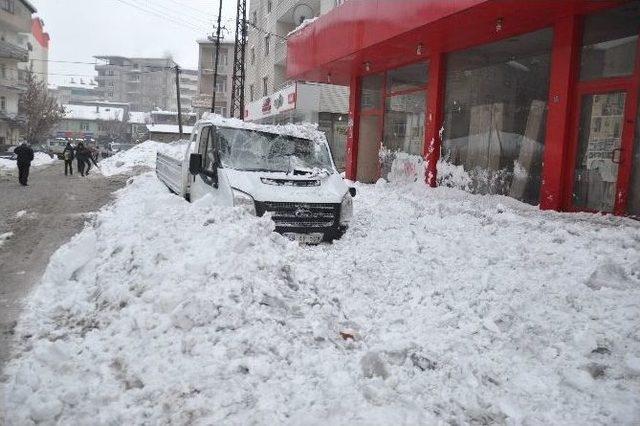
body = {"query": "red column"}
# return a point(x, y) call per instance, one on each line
point(351, 158)
point(435, 98)
point(564, 71)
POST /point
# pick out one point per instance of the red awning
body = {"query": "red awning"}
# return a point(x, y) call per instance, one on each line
point(387, 33)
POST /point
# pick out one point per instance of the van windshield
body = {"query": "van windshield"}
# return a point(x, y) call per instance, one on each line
point(250, 150)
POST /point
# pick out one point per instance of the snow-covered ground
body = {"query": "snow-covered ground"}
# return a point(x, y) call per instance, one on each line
point(39, 159)
point(436, 307)
point(141, 155)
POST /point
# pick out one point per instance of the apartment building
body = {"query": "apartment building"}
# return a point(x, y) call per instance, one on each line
point(206, 66)
point(37, 43)
point(75, 92)
point(188, 89)
point(15, 21)
point(144, 83)
point(270, 97)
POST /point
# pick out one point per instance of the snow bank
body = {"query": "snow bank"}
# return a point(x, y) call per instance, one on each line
point(39, 159)
point(437, 307)
point(141, 155)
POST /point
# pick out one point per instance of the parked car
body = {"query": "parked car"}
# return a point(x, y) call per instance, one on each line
point(285, 171)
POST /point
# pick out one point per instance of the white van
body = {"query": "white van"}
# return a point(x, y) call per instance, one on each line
point(286, 171)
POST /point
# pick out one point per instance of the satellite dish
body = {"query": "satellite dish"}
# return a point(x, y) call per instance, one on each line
point(302, 12)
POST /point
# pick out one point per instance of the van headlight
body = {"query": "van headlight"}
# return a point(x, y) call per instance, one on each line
point(346, 209)
point(244, 201)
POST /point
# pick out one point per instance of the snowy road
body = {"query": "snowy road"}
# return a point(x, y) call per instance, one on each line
point(36, 221)
point(436, 307)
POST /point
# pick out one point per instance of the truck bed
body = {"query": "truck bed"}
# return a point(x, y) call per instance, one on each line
point(169, 171)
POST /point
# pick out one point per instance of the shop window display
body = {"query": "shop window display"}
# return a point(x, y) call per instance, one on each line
point(495, 114)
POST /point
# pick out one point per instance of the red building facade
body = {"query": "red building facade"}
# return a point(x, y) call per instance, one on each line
point(537, 100)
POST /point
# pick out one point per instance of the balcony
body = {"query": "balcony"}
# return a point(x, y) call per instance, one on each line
point(204, 101)
point(11, 51)
point(207, 68)
point(13, 85)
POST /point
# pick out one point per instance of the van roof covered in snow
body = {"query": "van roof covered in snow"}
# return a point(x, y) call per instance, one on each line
point(300, 130)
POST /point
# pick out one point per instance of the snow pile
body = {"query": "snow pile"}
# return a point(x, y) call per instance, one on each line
point(39, 159)
point(141, 155)
point(302, 26)
point(437, 307)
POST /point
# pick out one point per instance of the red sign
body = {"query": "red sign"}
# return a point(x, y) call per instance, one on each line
point(266, 106)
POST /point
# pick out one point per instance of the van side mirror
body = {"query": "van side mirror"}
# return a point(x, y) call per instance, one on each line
point(195, 164)
point(352, 191)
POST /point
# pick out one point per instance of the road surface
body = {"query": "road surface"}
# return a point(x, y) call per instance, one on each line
point(42, 217)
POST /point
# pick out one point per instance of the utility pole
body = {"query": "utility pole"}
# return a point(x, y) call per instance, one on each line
point(217, 59)
point(178, 97)
point(237, 85)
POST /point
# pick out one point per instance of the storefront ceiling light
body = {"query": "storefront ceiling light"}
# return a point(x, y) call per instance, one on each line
point(499, 24)
point(367, 66)
point(419, 49)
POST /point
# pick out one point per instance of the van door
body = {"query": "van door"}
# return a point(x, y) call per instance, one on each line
point(206, 182)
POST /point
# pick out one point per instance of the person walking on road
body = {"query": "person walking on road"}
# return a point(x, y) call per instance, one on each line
point(68, 154)
point(91, 158)
point(25, 157)
point(81, 157)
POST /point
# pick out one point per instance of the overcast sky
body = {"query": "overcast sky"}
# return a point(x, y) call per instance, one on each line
point(80, 29)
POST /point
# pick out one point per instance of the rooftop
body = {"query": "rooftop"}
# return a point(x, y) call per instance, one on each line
point(88, 112)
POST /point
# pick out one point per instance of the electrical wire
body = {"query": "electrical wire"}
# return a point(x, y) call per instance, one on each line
point(193, 27)
point(175, 14)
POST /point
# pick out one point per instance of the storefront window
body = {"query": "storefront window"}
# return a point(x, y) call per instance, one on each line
point(495, 114)
point(634, 189)
point(407, 78)
point(610, 43)
point(371, 93)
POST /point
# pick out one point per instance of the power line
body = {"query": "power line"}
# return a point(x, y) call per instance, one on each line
point(160, 15)
point(162, 11)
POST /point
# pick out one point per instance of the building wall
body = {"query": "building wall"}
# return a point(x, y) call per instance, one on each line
point(188, 88)
point(206, 64)
point(145, 83)
point(14, 24)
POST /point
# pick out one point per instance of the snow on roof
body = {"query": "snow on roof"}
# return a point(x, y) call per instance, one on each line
point(139, 117)
point(88, 112)
point(169, 128)
point(161, 112)
point(304, 24)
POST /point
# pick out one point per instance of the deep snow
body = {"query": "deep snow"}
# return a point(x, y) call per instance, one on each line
point(436, 307)
point(141, 155)
point(39, 159)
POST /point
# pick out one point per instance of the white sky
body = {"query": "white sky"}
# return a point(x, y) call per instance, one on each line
point(80, 29)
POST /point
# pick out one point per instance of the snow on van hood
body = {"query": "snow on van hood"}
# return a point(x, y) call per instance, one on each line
point(330, 190)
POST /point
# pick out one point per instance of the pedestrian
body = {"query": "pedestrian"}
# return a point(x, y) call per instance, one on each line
point(91, 158)
point(68, 154)
point(81, 157)
point(25, 157)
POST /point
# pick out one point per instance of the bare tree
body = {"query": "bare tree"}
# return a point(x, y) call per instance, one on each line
point(41, 110)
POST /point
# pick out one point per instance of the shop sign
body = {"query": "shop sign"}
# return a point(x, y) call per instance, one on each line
point(282, 101)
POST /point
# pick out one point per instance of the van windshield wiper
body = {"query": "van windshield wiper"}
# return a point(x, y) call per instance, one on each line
point(264, 170)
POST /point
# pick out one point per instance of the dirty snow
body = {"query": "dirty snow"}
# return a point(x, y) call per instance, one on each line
point(39, 159)
point(141, 155)
point(436, 307)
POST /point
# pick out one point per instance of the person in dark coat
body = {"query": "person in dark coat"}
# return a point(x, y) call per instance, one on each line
point(82, 157)
point(25, 157)
point(91, 158)
point(68, 154)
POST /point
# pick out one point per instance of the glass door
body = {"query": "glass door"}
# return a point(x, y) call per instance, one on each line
point(601, 166)
point(599, 151)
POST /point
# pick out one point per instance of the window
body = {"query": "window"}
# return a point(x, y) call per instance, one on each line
point(84, 126)
point(252, 55)
point(3, 71)
point(407, 78)
point(221, 86)
point(251, 93)
point(207, 150)
point(3, 103)
point(634, 189)
point(110, 94)
point(267, 43)
point(110, 72)
point(8, 6)
point(371, 92)
point(265, 86)
point(495, 114)
point(609, 43)
point(254, 17)
point(269, 6)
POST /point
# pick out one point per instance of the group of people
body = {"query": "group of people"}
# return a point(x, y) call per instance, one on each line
point(83, 155)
